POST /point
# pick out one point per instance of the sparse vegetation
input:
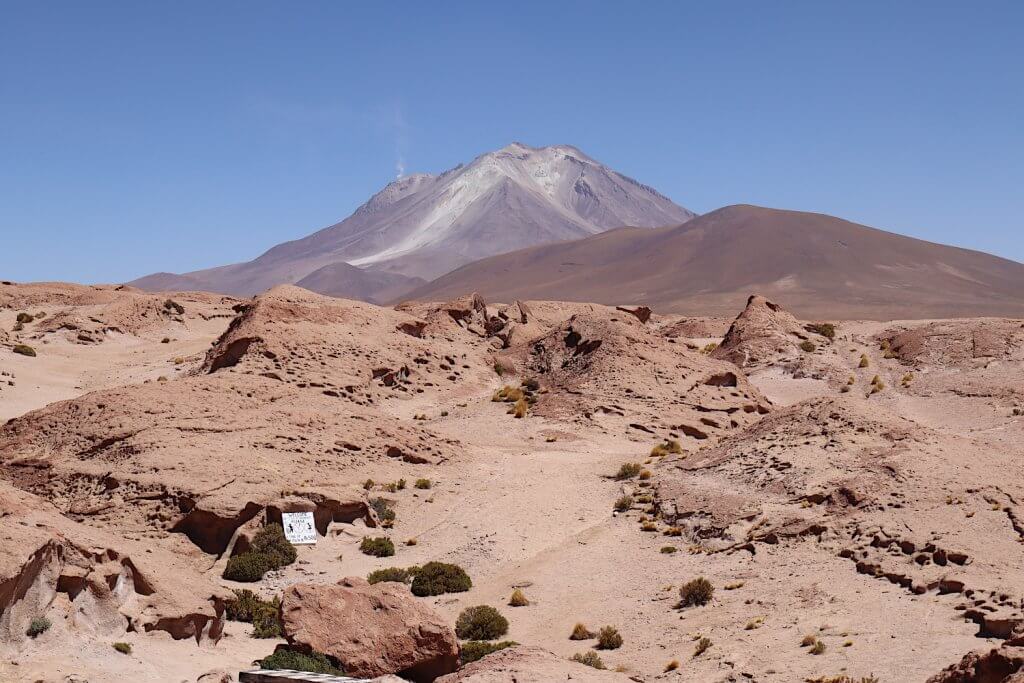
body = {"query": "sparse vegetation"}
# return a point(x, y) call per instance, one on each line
point(864, 361)
point(368, 484)
point(697, 592)
point(663, 449)
point(808, 346)
point(379, 546)
point(394, 574)
point(702, 646)
point(818, 647)
point(385, 513)
point(520, 408)
point(436, 578)
point(623, 503)
point(518, 599)
point(672, 666)
point(315, 662)
point(628, 470)
point(808, 640)
point(507, 394)
point(123, 648)
point(423, 484)
point(38, 626)
point(826, 330)
point(24, 318)
point(590, 658)
point(24, 350)
point(481, 622)
point(476, 649)
point(581, 632)
point(668, 549)
point(246, 568)
point(707, 350)
point(269, 550)
point(609, 638)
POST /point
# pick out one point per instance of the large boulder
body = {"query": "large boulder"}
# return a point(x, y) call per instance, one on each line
point(528, 664)
point(372, 630)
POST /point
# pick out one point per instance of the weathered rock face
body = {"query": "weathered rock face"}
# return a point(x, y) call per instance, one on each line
point(85, 580)
point(957, 343)
point(761, 333)
point(372, 630)
point(1000, 665)
point(595, 363)
point(527, 664)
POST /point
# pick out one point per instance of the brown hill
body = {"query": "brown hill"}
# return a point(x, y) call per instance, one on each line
point(818, 266)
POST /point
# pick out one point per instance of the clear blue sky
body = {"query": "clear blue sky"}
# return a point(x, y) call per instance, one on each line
point(144, 136)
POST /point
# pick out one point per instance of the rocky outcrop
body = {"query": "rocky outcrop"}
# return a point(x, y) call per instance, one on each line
point(1000, 665)
point(90, 582)
point(372, 630)
point(761, 333)
point(528, 664)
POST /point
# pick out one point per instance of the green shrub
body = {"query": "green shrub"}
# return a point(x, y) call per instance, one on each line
point(482, 622)
point(269, 550)
point(283, 658)
point(609, 639)
point(266, 620)
point(241, 607)
point(590, 658)
point(24, 350)
point(808, 346)
point(696, 592)
point(123, 648)
point(476, 649)
point(423, 483)
point(394, 574)
point(628, 471)
point(826, 330)
point(38, 626)
point(247, 567)
point(24, 318)
point(436, 578)
point(624, 503)
point(381, 546)
point(668, 549)
point(383, 509)
point(271, 542)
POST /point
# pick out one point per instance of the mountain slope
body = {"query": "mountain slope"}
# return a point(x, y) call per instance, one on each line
point(816, 265)
point(348, 282)
point(424, 225)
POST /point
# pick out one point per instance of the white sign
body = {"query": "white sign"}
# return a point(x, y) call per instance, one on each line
point(298, 527)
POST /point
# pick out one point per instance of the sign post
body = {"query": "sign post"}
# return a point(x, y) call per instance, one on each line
point(299, 528)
